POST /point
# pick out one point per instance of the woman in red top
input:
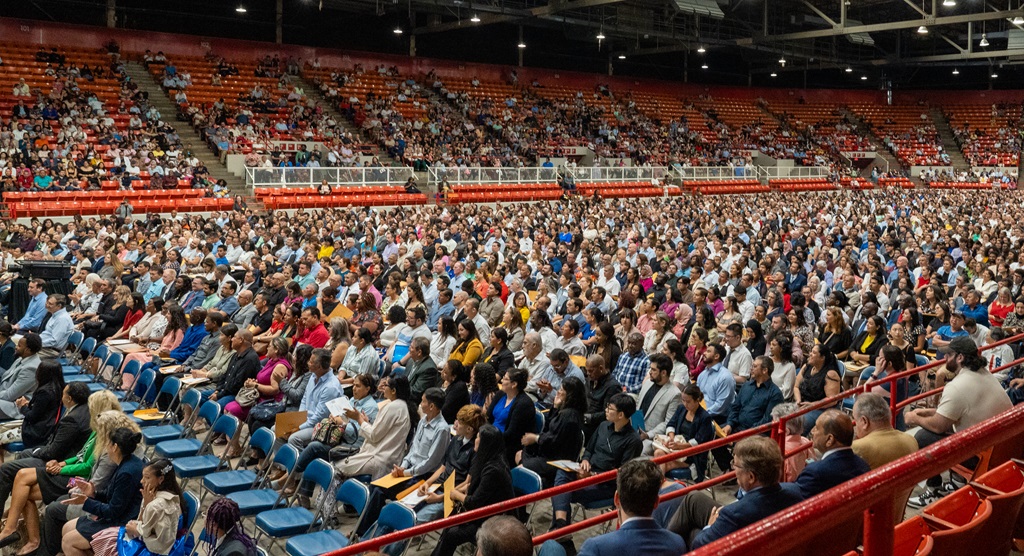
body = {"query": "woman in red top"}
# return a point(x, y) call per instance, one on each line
point(1001, 306)
point(136, 308)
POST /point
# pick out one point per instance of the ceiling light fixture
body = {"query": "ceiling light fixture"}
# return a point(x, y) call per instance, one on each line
point(994, 75)
point(984, 40)
point(956, 71)
point(521, 45)
point(774, 74)
point(397, 31)
point(600, 36)
point(863, 78)
point(622, 56)
point(241, 9)
point(949, 3)
point(475, 18)
point(700, 49)
point(782, 61)
point(922, 30)
point(1018, 20)
point(704, 66)
point(849, 69)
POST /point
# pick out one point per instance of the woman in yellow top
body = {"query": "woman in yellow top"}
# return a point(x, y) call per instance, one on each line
point(519, 301)
point(867, 344)
point(469, 348)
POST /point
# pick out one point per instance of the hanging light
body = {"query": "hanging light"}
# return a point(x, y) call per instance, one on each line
point(774, 74)
point(849, 69)
point(397, 31)
point(984, 40)
point(704, 66)
point(622, 56)
point(863, 78)
point(475, 18)
point(521, 44)
point(994, 74)
point(949, 3)
point(782, 61)
point(922, 30)
point(1018, 20)
point(241, 9)
point(956, 71)
point(700, 49)
point(600, 35)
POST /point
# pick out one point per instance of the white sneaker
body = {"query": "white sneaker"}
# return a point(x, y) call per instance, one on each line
point(925, 498)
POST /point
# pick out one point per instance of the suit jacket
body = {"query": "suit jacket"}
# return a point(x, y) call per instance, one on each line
point(840, 466)
point(640, 536)
point(521, 420)
point(755, 506)
point(16, 382)
point(40, 415)
point(121, 500)
point(662, 407)
point(68, 437)
point(422, 375)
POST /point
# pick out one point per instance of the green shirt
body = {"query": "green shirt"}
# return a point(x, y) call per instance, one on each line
point(81, 464)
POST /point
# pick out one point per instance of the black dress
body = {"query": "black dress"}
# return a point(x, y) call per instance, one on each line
point(40, 415)
point(493, 486)
point(455, 398)
point(118, 503)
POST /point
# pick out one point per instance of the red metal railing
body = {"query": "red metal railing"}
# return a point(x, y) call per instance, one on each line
point(777, 429)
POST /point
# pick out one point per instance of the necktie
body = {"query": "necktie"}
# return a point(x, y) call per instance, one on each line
point(725, 362)
point(46, 319)
point(188, 300)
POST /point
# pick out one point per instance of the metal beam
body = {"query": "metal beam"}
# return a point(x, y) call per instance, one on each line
point(916, 9)
point(877, 27)
point(551, 8)
point(1008, 54)
point(952, 42)
point(820, 13)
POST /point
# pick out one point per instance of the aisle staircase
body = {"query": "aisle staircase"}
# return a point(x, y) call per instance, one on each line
point(169, 111)
point(949, 144)
point(882, 153)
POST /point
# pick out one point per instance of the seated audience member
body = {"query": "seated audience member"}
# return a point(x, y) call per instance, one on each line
point(455, 384)
point(512, 412)
point(601, 386)
point(322, 387)
point(796, 462)
point(758, 464)
point(753, 404)
point(224, 532)
point(561, 438)
point(690, 425)
point(543, 384)
point(832, 436)
point(971, 398)
point(114, 506)
point(458, 459)
point(612, 444)
point(633, 364)
point(490, 483)
point(384, 439)
point(19, 379)
point(877, 442)
point(504, 535)
point(658, 400)
point(637, 488)
point(420, 368)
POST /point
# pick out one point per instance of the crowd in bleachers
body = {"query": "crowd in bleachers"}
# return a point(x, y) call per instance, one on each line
point(686, 315)
point(987, 135)
point(990, 177)
point(80, 128)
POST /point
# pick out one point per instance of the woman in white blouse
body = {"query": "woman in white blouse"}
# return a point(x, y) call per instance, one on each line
point(443, 341)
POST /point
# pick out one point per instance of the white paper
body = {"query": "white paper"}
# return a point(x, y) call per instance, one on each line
point(118, 342)
point(570, 465)
point(338, 406)
point(413, 499)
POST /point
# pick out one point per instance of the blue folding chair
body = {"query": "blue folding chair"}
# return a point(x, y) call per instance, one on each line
point(526, 481)
point(260, 498)
point(74, 344)
point(205, 462)
point(171, 387)
point(288, 522)
point(209, 413)
point(85, 350)
point(226, 482)
point(151, 436)
point(538, 422)
point(140, 390)
point(351, 493)
point(192, 503)
point(131, 369)
point(114, 361)
point(393, 517)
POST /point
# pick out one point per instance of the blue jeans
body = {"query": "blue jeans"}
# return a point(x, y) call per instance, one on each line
point(429, 512)
point(312, 451)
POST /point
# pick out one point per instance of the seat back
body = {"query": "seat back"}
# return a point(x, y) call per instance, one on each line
point(956, 521)
point(320, 472)
point(911, 536)
point(88, 346)
point(262, 439)
point(396, 517)
point(144, 384)
point(920, 360)
point(101, 352)
point(209, 412)
point(114, 361)
point(286, 457)
point(193, 509)
point(1007, 498)
point(637, 420)
point(226, 425)
point(525, 481)
point(355, 494)
point(171, 387)
point(131, 368)
point(192, 398)
point(75, 339)
point(539, 422)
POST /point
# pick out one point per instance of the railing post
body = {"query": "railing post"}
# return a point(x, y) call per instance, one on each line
point(779, 434)
point(878, 528)
point(893, 409)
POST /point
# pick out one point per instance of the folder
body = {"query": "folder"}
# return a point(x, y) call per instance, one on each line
point(288, 422)
point(389, 480)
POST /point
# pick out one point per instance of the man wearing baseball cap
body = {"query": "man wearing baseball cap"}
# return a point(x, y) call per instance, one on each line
point(975, 395)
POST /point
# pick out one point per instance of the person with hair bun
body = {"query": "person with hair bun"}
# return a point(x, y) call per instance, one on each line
point(224, 532)
point(458, 459)
point(690, 425)
point(116, 504)
point(160, 527)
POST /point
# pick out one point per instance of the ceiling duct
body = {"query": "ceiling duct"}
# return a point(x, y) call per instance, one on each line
point(708, 8)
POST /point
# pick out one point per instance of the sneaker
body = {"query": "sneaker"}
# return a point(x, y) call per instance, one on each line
point(949, 487)
point(927, 497)
point(557, 524)
point(957, 480)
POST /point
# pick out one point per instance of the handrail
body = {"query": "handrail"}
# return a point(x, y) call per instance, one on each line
point(776, 428)
point(870, 494)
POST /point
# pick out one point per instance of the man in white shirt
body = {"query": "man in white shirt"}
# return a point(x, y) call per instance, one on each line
point(608, 281)
point(737, 357)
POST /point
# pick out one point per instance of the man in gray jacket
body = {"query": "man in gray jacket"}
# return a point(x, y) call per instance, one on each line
point(20, 379)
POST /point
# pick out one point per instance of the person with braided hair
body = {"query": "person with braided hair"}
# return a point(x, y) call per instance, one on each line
point(224, 533)
point(160, 527)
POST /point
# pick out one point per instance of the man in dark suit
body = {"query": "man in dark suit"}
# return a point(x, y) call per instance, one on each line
point(758, 464)
point(832, 437)
point(67, 439)
point(636, 496)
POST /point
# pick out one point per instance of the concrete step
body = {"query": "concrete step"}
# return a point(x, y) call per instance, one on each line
point(948, 138)
point(882, 152)
point(169, 113)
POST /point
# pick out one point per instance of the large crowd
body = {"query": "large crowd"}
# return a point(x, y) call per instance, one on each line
point(630, 327)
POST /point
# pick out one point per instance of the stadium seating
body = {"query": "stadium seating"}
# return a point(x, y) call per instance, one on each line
point(278, 198)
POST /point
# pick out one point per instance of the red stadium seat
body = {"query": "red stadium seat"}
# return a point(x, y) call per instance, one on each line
point(956, 521)
point(1003, 486)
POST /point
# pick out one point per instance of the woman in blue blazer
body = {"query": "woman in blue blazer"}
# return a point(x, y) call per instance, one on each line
point(693, 426)
point(113, 507)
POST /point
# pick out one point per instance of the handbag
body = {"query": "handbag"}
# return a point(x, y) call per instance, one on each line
point(327, 432)
point(266, 411)
point(247, 396)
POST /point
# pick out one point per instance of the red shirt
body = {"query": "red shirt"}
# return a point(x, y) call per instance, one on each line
point(316, 337)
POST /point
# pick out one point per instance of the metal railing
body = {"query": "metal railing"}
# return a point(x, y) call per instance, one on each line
point(709, 173)
point(782, 172)
point(308, 177)
point(456, 176)
point(620, 173)
point(777, 430)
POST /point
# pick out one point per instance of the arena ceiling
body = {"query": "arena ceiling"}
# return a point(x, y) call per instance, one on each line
point(822, 42)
